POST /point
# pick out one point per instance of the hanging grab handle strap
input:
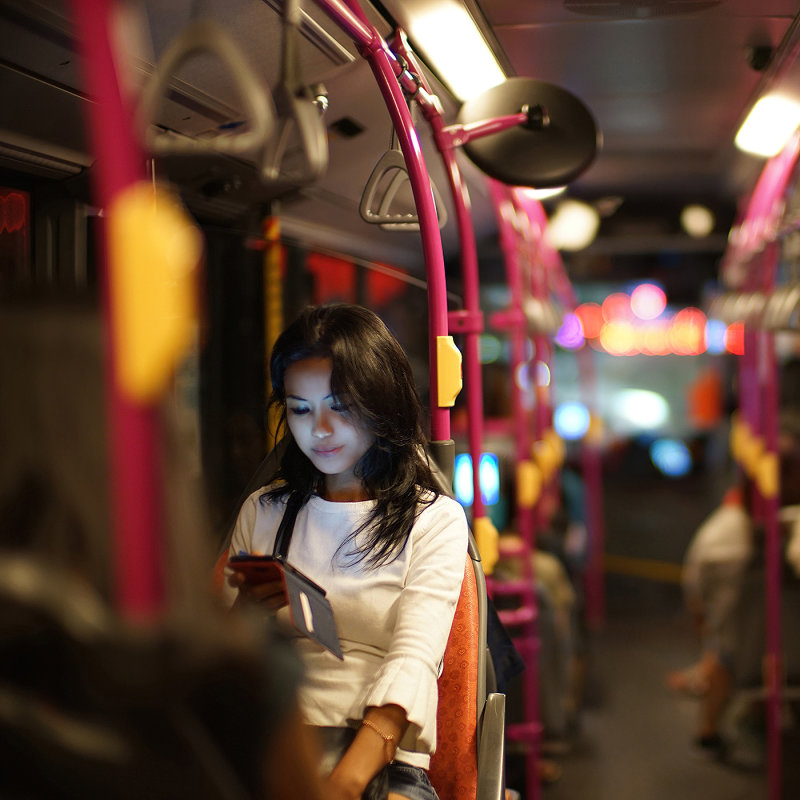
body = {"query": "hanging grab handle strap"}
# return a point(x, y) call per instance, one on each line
point(299, 151)
point(376, 209)
point(205, 36)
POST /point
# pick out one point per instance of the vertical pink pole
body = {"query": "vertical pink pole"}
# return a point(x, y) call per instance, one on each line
point(468, 321)
point(772, 544)
point(134, 478)
point(429, 231)
point(591, 463)
point(542, 349)
point(759, 400)
point(470, 324)
point(514, 321)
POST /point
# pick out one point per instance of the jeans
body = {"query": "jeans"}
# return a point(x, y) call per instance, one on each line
point(404, 779)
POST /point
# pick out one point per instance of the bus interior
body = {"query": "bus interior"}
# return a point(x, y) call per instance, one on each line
point(560, 190)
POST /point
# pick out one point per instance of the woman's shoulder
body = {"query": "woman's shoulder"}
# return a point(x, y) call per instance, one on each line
point(442, 508)
point(268, 496)
point(442, 501)
point(275, 492)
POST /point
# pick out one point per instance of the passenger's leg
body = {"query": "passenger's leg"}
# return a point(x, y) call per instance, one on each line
point(712, 707)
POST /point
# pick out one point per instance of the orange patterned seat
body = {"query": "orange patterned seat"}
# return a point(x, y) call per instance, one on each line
point(454, 767)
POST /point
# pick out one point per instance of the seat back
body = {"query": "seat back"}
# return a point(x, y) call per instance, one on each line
point(454, 766)
point(470, 753)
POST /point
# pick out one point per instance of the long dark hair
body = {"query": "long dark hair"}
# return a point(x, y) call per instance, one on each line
point(369, 368)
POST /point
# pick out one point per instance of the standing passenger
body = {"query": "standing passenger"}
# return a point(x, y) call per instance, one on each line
point(375, 533)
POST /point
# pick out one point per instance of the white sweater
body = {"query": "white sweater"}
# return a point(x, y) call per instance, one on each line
point(393, 622)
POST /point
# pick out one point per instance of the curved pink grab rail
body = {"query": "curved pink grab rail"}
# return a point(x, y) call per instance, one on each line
point(469, 321)
point(350, 17)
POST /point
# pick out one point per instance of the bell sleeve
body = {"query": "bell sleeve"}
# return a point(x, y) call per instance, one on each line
point(426, 606)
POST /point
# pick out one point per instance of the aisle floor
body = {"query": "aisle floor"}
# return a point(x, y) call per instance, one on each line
point(635, 733)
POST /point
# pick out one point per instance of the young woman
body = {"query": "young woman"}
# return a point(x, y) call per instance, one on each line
point(374, 532)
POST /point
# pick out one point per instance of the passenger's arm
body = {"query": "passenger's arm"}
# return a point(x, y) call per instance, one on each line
point(237, 589)
point(373, 748)
point(407, 677)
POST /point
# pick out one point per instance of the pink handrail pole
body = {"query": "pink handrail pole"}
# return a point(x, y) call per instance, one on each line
point(133, 428)
point(591, 462)
point(525, 516)
point(471, 290)
point(472, 363)
point(351, 19)
point(759, 401)
point(429, 233)
point(463, 134)
point(513, 320)
point(772, 547)
point(375, 51)
point(469, 323)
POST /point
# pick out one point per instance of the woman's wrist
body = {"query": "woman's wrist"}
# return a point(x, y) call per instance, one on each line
point(389, 739)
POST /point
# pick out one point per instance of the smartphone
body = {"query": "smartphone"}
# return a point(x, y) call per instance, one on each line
point(309, 609)
point(257, 569)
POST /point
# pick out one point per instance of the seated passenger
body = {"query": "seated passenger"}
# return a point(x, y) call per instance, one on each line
point(375, 533)
point(555, 600)
point(717, 562)
point(713, 566)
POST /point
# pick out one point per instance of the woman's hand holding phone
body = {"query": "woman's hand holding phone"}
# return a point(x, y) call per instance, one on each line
point(258, 582)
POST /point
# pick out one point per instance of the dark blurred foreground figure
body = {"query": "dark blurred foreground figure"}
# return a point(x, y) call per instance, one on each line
point(90, 706)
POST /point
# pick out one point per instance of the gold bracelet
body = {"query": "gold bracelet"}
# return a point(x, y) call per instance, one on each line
point(388, 738)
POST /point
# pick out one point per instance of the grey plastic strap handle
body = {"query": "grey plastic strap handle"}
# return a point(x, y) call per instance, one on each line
point(206, 36)
point(377, 211)
point(300, 120)
point(300, 127)
point(399, 180)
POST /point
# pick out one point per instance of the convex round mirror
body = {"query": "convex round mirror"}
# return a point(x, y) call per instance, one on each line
point(557, 143)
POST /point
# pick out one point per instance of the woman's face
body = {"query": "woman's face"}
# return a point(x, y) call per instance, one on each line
point(325, 430)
